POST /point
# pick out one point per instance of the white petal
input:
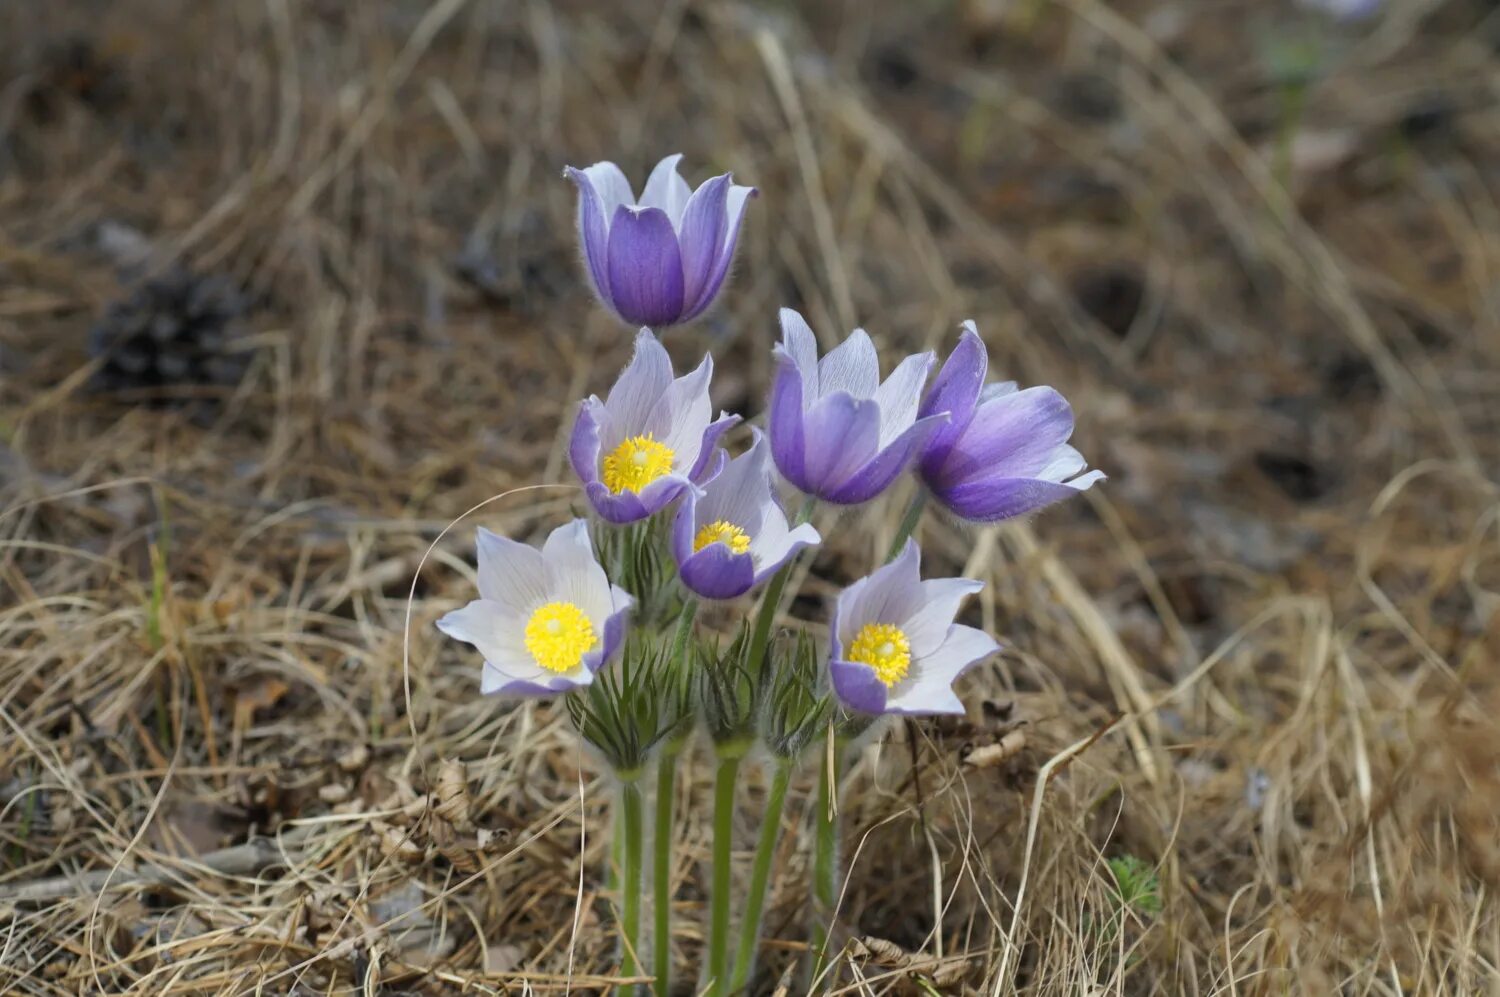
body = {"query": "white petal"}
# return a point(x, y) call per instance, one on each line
point(666, 189)
point(682, 413)
point(496, 632)
point(852, 366)
point(742, 491)
point(890, 594)
point(799, 343)
point(573, 573)
point(900, 395)
point(734, 207)
point(928, 627)
point(510, 573)
point(636, 391)
point(611, 187)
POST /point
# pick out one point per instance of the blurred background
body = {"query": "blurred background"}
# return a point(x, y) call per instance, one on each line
point(288, 285)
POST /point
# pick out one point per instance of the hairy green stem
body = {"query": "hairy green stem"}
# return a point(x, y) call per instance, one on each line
point(661, 872)
point(908, 523)
point(825, 859)
point(765, 850)
point(718, 931)
point(630, 885)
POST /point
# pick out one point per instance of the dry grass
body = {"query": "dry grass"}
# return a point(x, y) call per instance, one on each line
point(1261, 658)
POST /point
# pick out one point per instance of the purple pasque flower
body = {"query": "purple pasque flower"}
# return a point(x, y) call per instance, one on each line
point(545, 620)
point(735, 535)
point(662, 260)
point(651, 440)
point(1004, 452)
point(895, 647)
point(837, 432)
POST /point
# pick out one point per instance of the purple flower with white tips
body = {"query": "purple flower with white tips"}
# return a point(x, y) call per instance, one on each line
point(661, 260)
point(895, 647)
point(735, 535)
point(837, 432)
point(545, 620)
point(1004, 452)
point(653, 439)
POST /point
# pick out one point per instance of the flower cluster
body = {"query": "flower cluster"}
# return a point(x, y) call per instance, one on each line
point(664, 492)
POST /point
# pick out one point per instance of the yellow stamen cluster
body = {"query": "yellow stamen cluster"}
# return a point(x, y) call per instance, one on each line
point(636, 463)
point(558, 635)
point(884, 648)
point(724, 532)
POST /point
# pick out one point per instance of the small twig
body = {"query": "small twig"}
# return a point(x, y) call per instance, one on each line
point(235, 861)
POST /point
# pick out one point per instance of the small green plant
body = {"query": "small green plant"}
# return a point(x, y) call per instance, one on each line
point(1138, 886)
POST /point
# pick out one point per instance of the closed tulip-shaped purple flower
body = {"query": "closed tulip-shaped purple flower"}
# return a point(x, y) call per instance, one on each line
point(895, 647)
point(735, 535)
point(651, 440)
point(1004, 452)
point(837, 432)
point(661, 260)
point(545, 620)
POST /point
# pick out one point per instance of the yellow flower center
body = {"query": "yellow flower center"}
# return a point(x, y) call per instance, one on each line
point(884, 648)
point(636, 463)
point(721, 531)
point(558, 635)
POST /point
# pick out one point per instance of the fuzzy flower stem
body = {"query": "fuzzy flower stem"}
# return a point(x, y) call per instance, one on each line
point(765, 848)
point(666, 779)
point(630, 884)
point(718, 934)
point(825, 857)
point(908, 524)
point(661, 936)
point(771, 601)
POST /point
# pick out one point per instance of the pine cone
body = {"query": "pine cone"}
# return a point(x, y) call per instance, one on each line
point(176, 329)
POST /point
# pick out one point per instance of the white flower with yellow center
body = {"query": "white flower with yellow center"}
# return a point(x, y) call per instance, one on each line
point(895, 647)
point(545, 620)
point(734, 535)
point(651, 440)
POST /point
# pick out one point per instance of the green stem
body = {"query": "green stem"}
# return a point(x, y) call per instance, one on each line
point(765, 849)
point(825, 860)
point(908, 523)
point(718, 933)
point(661, 936)
point(630, 918)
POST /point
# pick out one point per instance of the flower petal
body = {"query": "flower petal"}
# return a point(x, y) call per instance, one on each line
point(992, 498)
point(716, 572)
point(645, 267)
point(510, 573)
point(841, 436)
point(857, 686)
point(701, 236)
point(611, 634)
point(852, 366)
point(891, 594)
point(574, 573)
point(955, 390)
point(1015, 434)
point(602, 189)
point(930, 689)
point(900, 395)
point(928, 627)
point(800, 346)
point(637, 390)
point(665, 189)
point(785, 422)
point(734, 213)
point(496, 631)
point(879, 473)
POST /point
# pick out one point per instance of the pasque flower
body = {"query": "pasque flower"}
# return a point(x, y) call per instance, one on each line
point(651, 440)
point(895, 647)
point(661, 260)
point(1003, 452)
point(545, 620)
point(735, 535)
point(838, 432)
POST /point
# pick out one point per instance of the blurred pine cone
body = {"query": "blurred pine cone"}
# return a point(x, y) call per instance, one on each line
point(176, 329)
